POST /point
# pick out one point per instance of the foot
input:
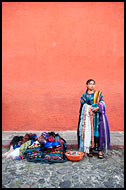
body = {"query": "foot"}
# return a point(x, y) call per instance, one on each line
point(85, 154)
point(90, 154)
point(100, 155)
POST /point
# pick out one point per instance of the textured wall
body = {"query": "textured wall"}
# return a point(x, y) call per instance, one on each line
point(49, 51)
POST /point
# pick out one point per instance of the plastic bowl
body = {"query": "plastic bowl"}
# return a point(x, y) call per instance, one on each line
point(74, 155)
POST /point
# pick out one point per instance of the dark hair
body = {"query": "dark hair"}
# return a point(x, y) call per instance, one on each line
point(89, 81)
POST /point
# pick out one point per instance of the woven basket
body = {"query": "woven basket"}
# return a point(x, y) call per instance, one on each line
point(79, 155)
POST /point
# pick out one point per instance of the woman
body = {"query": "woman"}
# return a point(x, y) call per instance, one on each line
point(93, 129)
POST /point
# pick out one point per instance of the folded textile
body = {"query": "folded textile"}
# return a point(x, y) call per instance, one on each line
point(29, 136)
point(51, 144)
point(24, 147)
point(14, 153)
point(16, 140)
point(52, 149)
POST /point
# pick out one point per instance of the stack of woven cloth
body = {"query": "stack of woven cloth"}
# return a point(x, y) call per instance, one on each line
point(48, 147)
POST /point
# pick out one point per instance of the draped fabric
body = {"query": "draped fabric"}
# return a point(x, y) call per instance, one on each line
point(93, 127)
point(86, 129)
point(104, 131)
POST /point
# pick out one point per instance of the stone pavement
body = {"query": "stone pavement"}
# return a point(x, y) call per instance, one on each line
point(90, 172)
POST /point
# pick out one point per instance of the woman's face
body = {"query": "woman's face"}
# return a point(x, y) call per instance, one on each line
point(91, 85)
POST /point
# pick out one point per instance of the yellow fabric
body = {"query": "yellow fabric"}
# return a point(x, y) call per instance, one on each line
point(96, 97)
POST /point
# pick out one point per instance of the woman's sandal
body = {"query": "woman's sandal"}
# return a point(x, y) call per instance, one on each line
point(90, 154)
point(100, 156)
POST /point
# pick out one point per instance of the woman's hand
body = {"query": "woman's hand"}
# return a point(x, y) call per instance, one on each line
point(95, 109)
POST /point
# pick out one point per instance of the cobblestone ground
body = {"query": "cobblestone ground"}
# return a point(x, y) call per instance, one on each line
point(87, 173)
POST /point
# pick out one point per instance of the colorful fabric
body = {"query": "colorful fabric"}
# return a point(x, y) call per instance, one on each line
point(104, 105)
point(104, 139)
point(34, 146)
point(96, 124)
point(96, 119)
point(49, 152)
point(41, 139)
point(89, 98)
point(16, 146)
point(51, 139)
point(95, 100)
point(86, 129)
point(29, 136)
point(51, 144)
point(96, 97)
point(16, 141)
point(24, 147)
point(45, 135)
point(47, 158)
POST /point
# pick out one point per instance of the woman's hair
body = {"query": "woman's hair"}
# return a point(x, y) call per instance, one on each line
point(90, 81)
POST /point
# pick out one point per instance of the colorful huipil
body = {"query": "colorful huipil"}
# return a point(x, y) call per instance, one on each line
point(93, 127)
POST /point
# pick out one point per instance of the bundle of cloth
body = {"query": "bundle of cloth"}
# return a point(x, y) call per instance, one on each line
point(48, 147)
point(16, 145)
point(94, 130)
point(52, 149)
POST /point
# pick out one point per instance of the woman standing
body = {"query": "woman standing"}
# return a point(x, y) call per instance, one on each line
point(93, 128)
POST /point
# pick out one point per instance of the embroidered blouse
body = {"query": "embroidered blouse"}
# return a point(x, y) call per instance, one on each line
point(89, 98)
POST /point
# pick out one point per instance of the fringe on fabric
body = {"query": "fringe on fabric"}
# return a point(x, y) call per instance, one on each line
point(86, 129)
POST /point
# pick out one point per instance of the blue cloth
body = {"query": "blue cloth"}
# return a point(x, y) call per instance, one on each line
point(95, 106)
point(89, 98)
point(50, 144)
point(32, 141)
point(16, 146)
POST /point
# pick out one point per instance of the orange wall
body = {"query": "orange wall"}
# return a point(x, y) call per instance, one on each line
point(49, 51)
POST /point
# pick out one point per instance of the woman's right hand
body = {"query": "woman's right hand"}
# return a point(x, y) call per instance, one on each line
point(95, 109)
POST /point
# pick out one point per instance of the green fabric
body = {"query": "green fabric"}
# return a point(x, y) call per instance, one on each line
point(24, 146)
point(96, 124)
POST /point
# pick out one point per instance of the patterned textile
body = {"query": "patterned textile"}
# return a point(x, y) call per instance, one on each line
point(48, 158)
point(24, 147)
point(93, 100)
point(34, 146)
point(41, 139)
point(86, 129)
point(29, 136)
point(103, 105)
point(51, 150)
point(96, 124)
point(96, 97)
point(57, 155)
point(104, 131)
point(96, 120)
point(45, 135)
point(89, 98)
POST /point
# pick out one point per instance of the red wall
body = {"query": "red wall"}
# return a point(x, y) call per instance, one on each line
point(49, 51)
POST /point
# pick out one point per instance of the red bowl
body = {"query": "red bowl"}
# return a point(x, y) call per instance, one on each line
point(77, 155)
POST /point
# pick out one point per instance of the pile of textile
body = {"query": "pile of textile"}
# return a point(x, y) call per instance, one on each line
point(48, 147)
